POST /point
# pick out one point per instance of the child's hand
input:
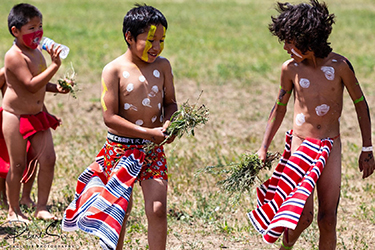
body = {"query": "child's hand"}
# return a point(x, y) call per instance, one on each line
point(55, 54)
point(157, 135)
point(170, 138)
point(59, 119)
point(366, 164)
point(262, 154)
point(65, 86)
point(62, 90)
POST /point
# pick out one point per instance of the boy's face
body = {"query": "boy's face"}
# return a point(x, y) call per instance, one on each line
point(149, 44)
point(295, 53)
point(30, 34)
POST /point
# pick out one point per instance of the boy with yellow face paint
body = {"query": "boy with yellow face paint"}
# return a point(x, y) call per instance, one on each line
point(138, 99)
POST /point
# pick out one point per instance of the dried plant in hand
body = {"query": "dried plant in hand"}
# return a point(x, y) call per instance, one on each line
point(242, 175)
point(68, 81)
point(184, 121)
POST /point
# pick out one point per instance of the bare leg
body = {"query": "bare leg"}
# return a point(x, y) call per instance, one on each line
point(26, 193)
point(16, 146)
point(43, 147)
point(155, 195)
point(3, 195)
point(291, 236)
point(328, 188)
point(120, 243)
point(27, 187)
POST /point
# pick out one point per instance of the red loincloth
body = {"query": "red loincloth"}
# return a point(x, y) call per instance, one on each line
point(281, 199)
point(29, 125)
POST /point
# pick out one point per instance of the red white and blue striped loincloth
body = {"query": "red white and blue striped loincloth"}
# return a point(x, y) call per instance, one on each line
point(281, 199)
point(100, 200)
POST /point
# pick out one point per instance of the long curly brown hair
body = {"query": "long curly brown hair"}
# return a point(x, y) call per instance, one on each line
point(307, 25)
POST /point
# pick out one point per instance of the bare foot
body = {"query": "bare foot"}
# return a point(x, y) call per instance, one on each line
point(44, 215)
point(27, 202)
point(17, 218)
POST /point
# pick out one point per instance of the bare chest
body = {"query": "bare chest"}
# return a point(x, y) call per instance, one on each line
point(35, 62)
point(141, 91)
point(317, 85)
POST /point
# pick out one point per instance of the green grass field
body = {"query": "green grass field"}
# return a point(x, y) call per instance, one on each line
point(224, 48)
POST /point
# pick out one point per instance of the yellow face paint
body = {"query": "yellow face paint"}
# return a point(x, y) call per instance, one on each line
point(150, 36)
point(103, 94)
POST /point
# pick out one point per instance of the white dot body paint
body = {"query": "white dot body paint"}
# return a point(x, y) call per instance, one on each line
point(334, 60)
point(142, 79)
point(139, 122)
point(296, 64)
point(126, 74)
point(322, 109)
point(295, 52)
point(146, 102)
point(329, 72)
point(130, 87)
point(161, 118)
point(156, 73)
point(153, 119)
point(154, 91)
point(339, 119)
point(128, 106)
point(159, 106)
point(305, 83)
point(300, 119)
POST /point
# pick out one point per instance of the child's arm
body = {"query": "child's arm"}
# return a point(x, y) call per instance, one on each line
point(278, 111)
point(110, 106)
point(56, 88)
point(16, 64)
point(2, 77)
point(366, 159)
point(2, 80)
point(170, 103)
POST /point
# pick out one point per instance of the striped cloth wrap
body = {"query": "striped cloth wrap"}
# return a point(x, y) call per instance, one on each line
point(281, 199)
point(100, 202)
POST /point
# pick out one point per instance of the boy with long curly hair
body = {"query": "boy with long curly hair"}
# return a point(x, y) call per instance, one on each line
point(312, 157)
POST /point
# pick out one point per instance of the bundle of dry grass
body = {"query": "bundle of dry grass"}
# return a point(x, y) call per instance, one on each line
point(68, 82)
point(242, 175)
point(184, 121)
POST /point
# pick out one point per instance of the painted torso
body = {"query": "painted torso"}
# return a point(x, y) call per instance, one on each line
point(318, 96)
point(141, 93)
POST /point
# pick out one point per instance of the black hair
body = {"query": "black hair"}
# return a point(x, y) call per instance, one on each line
point(138, 19)
point(21, 14)
point(307, 25)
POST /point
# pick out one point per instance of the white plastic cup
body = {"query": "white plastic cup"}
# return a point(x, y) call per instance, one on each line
point(47, 43)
